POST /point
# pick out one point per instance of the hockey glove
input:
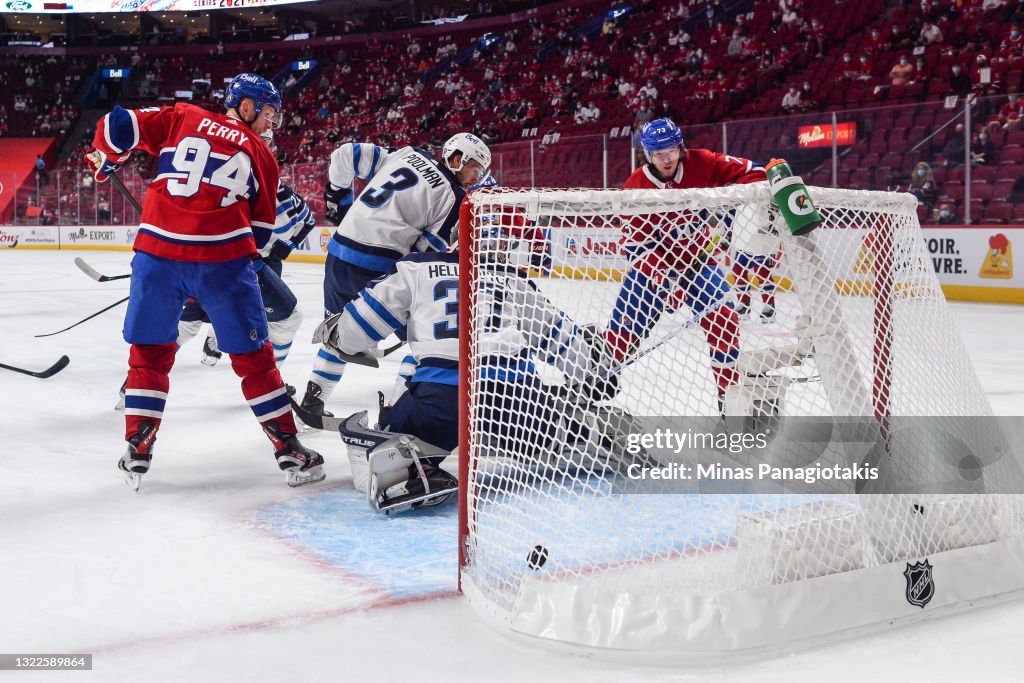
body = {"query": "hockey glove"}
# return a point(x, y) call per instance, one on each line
point(339, 201)
point(280, 251)
point(104, 166)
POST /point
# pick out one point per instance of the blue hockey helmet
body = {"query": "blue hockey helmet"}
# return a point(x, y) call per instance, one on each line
point(660, 134)
point(255, 87)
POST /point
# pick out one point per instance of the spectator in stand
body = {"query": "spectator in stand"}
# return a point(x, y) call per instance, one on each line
point(983, 150)
point(902, 72)
point(807, 101)
point(922, 184)
point(736, 44)
point(848, 68)
point(1012, 45)
point(649, 91)
point(667, 111)
point(1010, 113)
point(791, 100)
point(876, 43)
point(866, 68)
point(955, 148)
point(948, 214)
point(959, 81)
point(983, 78)
point(930, 34)
point(588, 113)
point(42, 176)
point(643, 116)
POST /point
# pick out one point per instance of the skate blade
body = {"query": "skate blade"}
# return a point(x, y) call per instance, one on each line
point(302, 478)
point(133, 480)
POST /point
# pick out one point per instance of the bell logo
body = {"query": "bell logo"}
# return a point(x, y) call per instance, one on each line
point(800, 204)
point(325, 239)
point(998, 263)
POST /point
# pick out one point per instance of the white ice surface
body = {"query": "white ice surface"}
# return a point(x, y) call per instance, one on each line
point(178, 583)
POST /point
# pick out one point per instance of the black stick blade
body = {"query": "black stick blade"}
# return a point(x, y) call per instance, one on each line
point(61, 363)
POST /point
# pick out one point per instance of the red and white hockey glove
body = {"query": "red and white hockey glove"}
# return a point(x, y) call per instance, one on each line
point(104, 166)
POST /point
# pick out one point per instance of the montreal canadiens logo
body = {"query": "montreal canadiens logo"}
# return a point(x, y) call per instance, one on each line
point(920, 586)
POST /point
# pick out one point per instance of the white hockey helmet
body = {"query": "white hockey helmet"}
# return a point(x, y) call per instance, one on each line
point(472, 148)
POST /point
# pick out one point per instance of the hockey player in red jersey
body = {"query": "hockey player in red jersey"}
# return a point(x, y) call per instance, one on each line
point(670, 254)
point(212, 203)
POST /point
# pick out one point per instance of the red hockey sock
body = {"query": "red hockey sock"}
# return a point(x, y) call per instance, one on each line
point(264, 389)
point(145, 392)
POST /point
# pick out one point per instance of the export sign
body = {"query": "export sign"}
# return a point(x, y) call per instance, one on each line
point(821, 136)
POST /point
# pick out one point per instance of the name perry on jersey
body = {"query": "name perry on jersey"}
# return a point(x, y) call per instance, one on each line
point(220, 131)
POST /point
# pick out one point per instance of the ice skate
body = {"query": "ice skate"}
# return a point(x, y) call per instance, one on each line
point(120, 398)
point(211, 354)
point(768, 314)
point(300, 465)
point(311, 401)
point(135, 462)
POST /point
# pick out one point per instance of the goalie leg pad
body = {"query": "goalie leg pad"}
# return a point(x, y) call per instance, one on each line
point(396, 471)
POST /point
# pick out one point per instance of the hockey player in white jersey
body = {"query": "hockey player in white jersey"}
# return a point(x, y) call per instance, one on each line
point(409, 205)
point(399, 467)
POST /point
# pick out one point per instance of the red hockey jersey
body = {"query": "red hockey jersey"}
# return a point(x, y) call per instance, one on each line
point(216, 180)
point(697, 168)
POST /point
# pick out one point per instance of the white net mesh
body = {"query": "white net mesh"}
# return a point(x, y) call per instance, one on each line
point(626, 325)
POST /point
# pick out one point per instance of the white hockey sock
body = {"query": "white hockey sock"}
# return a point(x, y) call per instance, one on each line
point(327, 371)
point(282, 333)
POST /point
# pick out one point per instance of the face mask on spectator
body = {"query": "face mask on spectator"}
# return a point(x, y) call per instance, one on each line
point(920, 172)
point(1014, 34)
point(944, 213)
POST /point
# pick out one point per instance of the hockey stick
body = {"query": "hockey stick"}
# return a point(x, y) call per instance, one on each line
point(104, 310)
point(61, 363)
point(124, 191)
point(95, 274)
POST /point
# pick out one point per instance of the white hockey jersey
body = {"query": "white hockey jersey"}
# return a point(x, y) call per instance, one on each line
point(409, 205)
point(294, 220)
point(421, 294)
point(517, 325)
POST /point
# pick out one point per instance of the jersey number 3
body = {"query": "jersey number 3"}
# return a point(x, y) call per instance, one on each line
point(447, 291)
point(402, 179)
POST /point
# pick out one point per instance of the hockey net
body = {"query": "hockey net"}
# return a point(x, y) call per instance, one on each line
point(561, 539)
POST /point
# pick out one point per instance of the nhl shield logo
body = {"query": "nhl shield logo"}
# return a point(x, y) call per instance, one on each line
point(920, 586)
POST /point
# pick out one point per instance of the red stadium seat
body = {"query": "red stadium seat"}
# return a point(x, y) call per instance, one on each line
point(954, 190)
point(999, 212)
